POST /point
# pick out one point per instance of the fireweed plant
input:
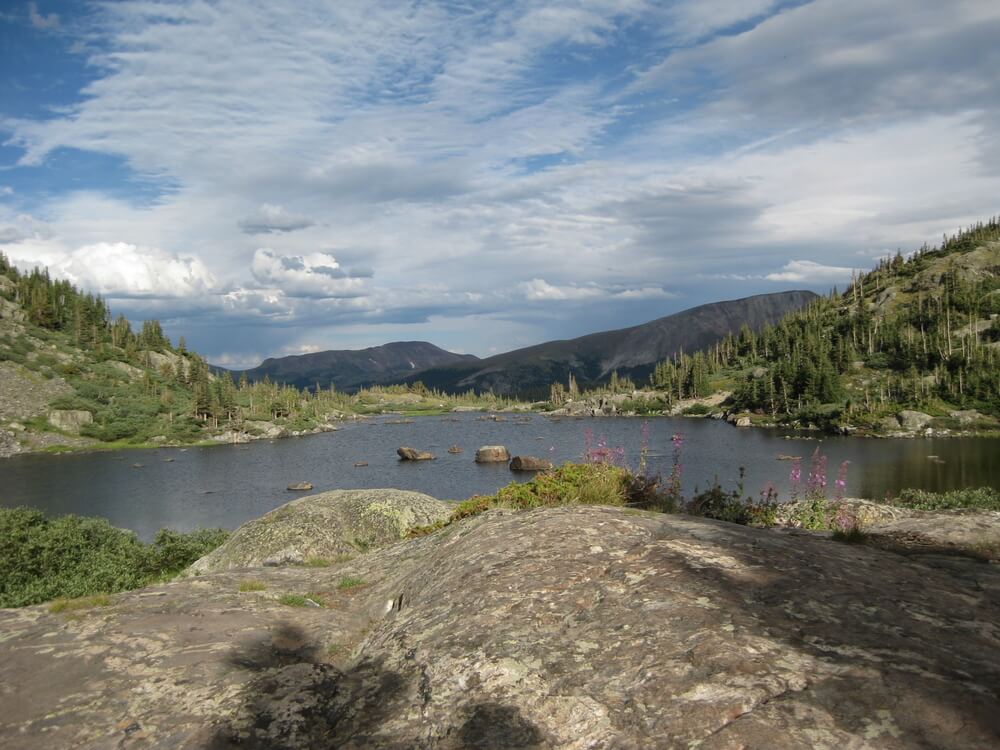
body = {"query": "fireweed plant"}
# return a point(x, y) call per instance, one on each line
point(810, 508)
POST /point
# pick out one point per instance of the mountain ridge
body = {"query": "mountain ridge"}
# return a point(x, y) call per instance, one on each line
point(351, 369)
point(591, 358)
point(632, 351)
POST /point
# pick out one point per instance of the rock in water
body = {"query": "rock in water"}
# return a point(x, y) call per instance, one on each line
point(325, 526)
point(583, 627)
point(299, 487)
point(529, 463)
point(412, 454)
point(455, 449)
point(489, 454)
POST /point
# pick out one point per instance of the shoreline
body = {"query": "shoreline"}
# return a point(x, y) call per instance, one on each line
point(814, 432)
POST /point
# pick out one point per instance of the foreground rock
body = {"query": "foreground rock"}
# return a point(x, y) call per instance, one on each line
point(412, 454)
point(490, 454)
point(324, 526)
point(564, 628)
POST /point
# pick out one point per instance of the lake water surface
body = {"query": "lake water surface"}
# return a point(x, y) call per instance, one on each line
point(227, 485)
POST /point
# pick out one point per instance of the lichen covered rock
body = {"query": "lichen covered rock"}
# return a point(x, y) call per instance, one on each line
point(325, 526)
point(570, 627)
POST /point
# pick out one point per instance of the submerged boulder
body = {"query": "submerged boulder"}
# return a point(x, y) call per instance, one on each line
point(572, 627)
point(326, 526)
point(412, 454)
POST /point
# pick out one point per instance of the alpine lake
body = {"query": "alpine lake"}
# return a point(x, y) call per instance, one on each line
point(187, 488)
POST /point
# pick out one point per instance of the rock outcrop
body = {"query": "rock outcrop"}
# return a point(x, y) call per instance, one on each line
point(325, 526)
point(70, 420)
point(492, 454)
point(412, 454)
point(564, 627)
point(8, 444)
point(914, 420)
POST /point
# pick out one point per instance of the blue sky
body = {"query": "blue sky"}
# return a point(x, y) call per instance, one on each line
point(276, 178)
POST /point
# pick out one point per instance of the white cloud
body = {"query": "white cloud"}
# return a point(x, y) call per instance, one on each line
point(6, 190)
point(810, 272)
point(539, 289)
point(311, 275)
point(120, 269)
point(39, 21)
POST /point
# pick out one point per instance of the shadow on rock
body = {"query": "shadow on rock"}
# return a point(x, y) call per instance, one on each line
point(493, 726)
point(298, 701)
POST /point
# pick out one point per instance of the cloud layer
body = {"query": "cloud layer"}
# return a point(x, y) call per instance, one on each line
point(328, 174)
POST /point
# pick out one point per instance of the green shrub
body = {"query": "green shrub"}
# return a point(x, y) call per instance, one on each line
point(172, 551)
point(982, 498)
point(72, 556)
point(349, 582)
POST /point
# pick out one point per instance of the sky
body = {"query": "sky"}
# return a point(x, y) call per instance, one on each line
point(273, 178)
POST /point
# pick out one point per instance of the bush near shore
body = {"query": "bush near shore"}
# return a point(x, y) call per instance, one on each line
point(72, 556)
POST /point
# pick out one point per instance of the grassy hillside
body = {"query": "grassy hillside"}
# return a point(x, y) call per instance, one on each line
point(919, 333)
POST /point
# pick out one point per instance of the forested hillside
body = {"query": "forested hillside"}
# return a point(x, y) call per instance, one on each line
point(914, 333)
point(72, 375)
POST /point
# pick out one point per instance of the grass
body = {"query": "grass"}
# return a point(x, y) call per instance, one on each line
point(347, 583)
point(252, 585)
point(853, 535)
point(982, 498)
point(83, 602)
point(313, 598)
point(316, 562)
point(569, 484)
point(335, 649)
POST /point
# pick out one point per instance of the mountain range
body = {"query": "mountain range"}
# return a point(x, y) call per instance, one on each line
point(528, 372)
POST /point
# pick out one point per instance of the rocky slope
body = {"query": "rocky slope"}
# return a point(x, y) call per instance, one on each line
point(629, 351)
point(587, 627)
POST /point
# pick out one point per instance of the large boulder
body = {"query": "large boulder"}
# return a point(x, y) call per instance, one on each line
point(529, 463)
point(582, 627)
point(327, 525)
point(914, 420)
point(70, 420)
point(489, 454)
